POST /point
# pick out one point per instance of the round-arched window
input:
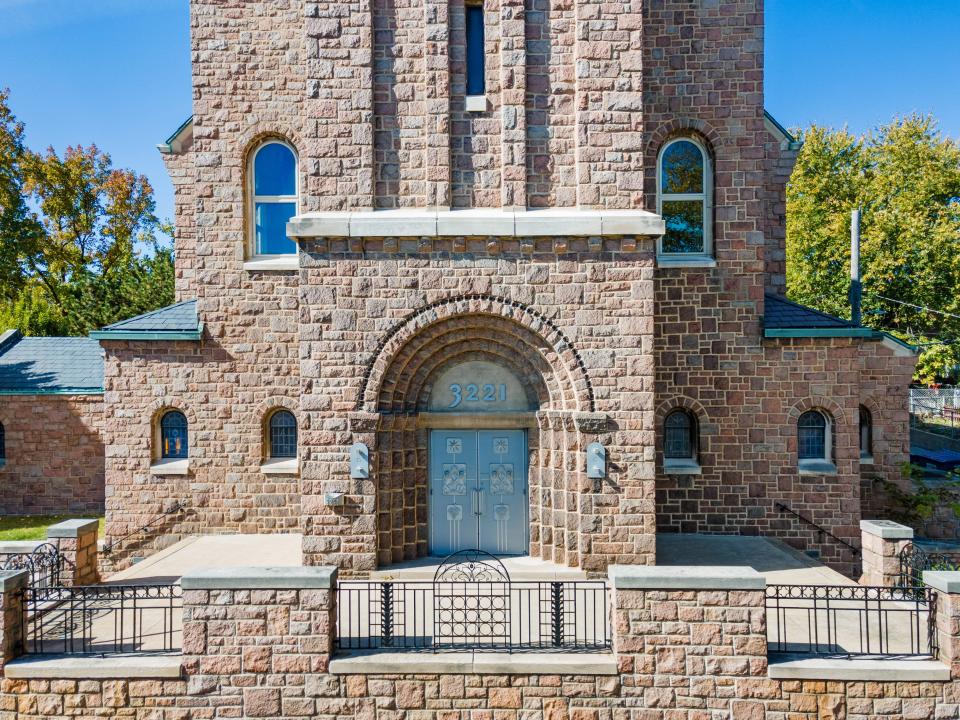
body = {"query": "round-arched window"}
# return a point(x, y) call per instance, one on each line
point(283, 435)
point(683, 198)
point(813, 436)
point(866, 433)
point(275, 197)
point(173, 435)
point(679, 436)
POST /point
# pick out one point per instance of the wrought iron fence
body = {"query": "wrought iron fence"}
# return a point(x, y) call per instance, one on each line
point(914, 561)
point(472, 604)
point(44, 563)
point(103, 619)
point(851, 620)
point(507, 615)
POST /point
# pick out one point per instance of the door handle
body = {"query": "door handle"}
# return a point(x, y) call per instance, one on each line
point(482, 501)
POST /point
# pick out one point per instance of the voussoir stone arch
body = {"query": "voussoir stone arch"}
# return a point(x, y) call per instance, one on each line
point(682, 126)
point(400, 355)
point(836, 412)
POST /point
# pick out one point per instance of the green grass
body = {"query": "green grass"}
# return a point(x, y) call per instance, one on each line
point(34, 527)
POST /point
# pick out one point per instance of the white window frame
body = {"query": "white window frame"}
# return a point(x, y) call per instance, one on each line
point(817, 466)
point(252, 255)
point(706, 197)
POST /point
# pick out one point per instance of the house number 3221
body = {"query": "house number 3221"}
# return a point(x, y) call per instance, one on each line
point(477, 393)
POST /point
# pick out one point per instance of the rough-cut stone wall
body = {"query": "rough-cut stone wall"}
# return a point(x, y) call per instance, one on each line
point(55, 454)
point(780, 160)
point(561, 308)
point(180, 168)
point(226, 389)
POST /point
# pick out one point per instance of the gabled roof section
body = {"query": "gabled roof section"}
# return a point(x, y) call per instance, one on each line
point(782, 313)
point(180, 140)
point(784, 318)
point(175, 322)
point(50, 365)
point(786, 139)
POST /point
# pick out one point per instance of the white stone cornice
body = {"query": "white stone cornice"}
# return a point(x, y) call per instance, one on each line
point(492, 222)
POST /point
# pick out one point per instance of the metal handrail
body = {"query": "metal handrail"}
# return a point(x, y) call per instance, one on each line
point(178, 507)
point(820, 528)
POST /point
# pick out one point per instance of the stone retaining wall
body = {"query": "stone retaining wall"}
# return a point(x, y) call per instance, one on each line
point(690, 643)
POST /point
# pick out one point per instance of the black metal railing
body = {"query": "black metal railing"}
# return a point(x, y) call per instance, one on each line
point(504, 615)
point(914, 561)
point(102, 619)
point(851, 620)
point(819, 528)
point(153, 526)
point(45, 564)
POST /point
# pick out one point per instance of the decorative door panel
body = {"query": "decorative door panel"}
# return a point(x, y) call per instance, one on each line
point(478, 491)
point(503, 492)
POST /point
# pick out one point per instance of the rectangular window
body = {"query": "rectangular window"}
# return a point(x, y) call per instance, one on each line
point(475, 51)
point(271, 230)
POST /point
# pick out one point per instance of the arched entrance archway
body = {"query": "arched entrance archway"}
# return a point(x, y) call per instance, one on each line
point(407, 378)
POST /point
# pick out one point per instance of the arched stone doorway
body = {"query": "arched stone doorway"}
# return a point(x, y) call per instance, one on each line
point(522, 392)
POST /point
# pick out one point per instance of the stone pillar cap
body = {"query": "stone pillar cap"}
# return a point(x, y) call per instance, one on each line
point(13, 580)
point(685, 577)
point(72, 528)
point(943, 580)
point(260, 578)
point(886, 529)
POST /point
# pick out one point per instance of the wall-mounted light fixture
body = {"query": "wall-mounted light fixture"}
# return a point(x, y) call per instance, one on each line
point(596, 461)
point(359, 461)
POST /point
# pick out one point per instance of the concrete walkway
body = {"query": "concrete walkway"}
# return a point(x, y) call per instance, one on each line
point(206, 551)
point(779, 563)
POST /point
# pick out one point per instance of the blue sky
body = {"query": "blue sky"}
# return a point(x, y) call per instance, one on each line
point(117, 72)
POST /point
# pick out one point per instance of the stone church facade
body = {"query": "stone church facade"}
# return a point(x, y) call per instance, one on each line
point(511, 277)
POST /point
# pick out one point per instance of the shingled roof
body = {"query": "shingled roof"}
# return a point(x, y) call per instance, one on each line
point(780, 313)
point(174, 322)
point(49, 365)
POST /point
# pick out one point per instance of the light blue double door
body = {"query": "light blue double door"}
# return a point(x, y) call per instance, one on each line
point(478, 491)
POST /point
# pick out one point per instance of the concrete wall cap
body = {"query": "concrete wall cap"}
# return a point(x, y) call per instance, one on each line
point(127, 667)
point(788, 667)
point(886, 529)
point(13, 580)
point(474, 663)
point(260, 578)
point(943, 580)
point(72, 528)
point(685, 577)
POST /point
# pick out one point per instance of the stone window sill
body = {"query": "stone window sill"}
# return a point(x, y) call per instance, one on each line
point(480, 663)
point(280, 466)
point(686, 261)
point(171, 467)
point(817, 467)
point(681, 467)
point(476, 103)
point(260, 263)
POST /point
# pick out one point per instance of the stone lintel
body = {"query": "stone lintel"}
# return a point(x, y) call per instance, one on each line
point(479, 663)
point(60, 667)
point(260, 578)
point(857, 670)
point(13, 580)
point(685, 577)
point(72, 528)
point(886, 529)
point(483, 222)
point(943, 580)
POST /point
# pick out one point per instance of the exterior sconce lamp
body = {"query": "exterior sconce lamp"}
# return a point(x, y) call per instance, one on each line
point(596, 462)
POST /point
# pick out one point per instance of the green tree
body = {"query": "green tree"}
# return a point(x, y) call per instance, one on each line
point(906, 178)
point(81, 244)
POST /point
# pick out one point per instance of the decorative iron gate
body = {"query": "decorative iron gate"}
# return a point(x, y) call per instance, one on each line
point(914, 561)
point(45, 565)
point(472, 604)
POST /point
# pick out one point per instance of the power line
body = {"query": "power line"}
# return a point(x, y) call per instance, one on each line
point(918, 307)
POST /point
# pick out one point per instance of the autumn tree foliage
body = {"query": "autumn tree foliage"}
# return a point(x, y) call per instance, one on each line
point(80, 244)
point(906, 178)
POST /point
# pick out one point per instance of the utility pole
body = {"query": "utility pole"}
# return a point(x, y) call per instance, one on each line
point(856, 289)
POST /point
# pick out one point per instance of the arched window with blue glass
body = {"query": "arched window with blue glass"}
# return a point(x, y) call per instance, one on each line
point(173, 435)
point(282, 435)
point(684, 198)
point(274, 183)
